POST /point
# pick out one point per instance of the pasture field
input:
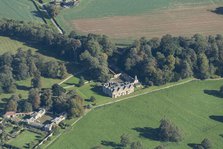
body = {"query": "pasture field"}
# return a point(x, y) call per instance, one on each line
point(23, 10)
point(150, 18)
point(10, 45)
point(192, 107)
point(23, 139)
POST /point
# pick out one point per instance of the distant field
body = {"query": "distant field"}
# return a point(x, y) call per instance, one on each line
point(19, 10)
point(151, 18)
point(198, 114)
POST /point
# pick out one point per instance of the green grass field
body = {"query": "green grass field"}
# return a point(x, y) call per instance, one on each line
point(19, 10)
point(10, 45)
point(24, 139)
point(108, 8)
point(186, 105)
point(87, 90)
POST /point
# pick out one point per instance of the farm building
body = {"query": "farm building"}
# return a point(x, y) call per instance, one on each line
point(66, 3)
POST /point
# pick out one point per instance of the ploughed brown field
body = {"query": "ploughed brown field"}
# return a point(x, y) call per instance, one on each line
point(183, 21)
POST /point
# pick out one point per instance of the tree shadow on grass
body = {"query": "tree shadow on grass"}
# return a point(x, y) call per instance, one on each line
point(193, 145)
point(218, 10)
point(148, 132)
point(26, 145)
point(216, 118)
point(2, 108)
point(98, 90)
point(36, 13)
point(22, 87)
point(213, 93)
point(111, 144)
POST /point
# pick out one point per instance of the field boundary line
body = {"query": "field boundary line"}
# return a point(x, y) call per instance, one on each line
point(53, 140)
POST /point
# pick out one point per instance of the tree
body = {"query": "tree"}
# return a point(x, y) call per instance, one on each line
point(136, 145)
point(62, 70)
point(36, 81)
point(81, 81)
point(206, 143)
point(11, 105)
point(76, 108)
point(203, 66)
point(169, 132)
point(27, 107)
point(53, 10)
point(124, 140)
point(92, 99)
point(34, 98)
point(7, 82)
point(46, 98)
point(57, 90)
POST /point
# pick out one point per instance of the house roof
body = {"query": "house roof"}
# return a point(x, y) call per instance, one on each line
point(10, 113)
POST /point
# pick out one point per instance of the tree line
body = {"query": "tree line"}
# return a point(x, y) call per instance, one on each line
point(155, 61)
point(91, 51)
point(158, 61)
point(23, 65)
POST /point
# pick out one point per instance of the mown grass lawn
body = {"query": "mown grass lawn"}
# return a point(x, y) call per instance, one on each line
point(23, 139)
point(192, 110)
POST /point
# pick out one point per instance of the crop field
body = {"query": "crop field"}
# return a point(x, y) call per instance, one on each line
point(19, 10)
point(150, 18)
point(193, 107)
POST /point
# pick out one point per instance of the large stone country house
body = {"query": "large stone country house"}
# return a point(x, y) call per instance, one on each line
point(117, 89)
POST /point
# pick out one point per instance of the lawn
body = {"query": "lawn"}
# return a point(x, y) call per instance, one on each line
point(24, 86)
point(195, 112)
point(150, 18)
point(87, 90)
point(19, 10)
point(24, 139)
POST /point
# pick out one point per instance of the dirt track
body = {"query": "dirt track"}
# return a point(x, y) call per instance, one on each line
point(179, 21)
